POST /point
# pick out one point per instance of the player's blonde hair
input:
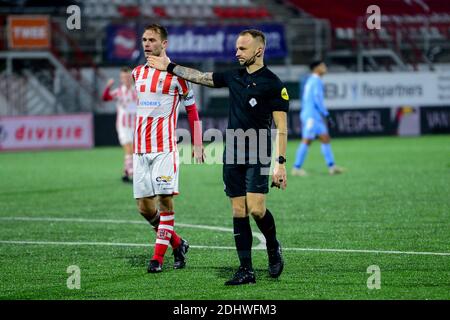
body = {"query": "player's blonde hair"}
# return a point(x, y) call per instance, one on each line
point(158, 29)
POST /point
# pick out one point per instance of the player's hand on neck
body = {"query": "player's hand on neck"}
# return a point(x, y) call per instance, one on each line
point(159, 62)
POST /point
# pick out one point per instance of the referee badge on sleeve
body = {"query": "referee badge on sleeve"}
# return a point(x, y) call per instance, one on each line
point(284, 94)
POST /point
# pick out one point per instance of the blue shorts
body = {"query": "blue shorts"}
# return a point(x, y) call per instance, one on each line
point(311, 128)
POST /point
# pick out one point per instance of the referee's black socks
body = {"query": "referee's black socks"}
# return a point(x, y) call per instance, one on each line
point(243, 239)
point(268, 229)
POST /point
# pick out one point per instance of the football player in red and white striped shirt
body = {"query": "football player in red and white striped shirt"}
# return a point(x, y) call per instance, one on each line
point(126, 98)
point(156, 163)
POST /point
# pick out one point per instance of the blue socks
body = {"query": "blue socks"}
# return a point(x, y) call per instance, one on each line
point(300, 156)
point(327, 154)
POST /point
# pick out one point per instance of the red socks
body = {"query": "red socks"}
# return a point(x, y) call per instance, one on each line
point(165, 235)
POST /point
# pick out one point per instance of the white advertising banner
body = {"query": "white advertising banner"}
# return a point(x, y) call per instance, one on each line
point(46, 132)
point(375, 90)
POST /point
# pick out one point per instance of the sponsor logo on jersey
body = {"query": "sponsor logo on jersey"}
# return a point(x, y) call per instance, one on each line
point(145, 103)
point(189, 96)
point(189, 99)
point(165, 179)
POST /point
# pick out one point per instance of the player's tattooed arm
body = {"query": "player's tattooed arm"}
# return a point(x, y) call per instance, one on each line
point(192, 75)
point(195, 76)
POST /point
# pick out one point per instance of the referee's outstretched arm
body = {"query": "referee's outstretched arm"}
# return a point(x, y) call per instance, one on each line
point(192, 75)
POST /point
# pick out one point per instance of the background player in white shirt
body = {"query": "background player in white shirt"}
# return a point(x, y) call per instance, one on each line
point(126, 98)
point(156, 163)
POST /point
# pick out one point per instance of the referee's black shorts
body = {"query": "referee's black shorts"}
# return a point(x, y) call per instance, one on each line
point(242, 178)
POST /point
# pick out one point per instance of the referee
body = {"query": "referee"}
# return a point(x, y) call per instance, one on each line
point(257, 96)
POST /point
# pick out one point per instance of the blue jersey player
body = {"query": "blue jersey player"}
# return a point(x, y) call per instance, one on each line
point(313, 117)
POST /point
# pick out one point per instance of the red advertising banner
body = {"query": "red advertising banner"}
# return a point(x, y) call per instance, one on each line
point(46, 132)
point(28, 32)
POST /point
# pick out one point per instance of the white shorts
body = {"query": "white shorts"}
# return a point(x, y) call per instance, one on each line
point(125, 135)
point(125, 124)
point(155, 174)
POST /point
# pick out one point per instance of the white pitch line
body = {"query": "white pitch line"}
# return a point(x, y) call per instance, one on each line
point(71, 243)
point(108, 244)
point(121, 244)
point(259, 236)
point(370, 251)
point(260, 246)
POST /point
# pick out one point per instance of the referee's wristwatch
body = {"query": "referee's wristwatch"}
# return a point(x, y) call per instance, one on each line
point(281, 160)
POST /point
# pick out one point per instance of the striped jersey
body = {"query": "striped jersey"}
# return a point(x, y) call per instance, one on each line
point(159, 96)
point(126, 106)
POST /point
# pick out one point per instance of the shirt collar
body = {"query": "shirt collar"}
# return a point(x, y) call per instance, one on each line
point(257, 71)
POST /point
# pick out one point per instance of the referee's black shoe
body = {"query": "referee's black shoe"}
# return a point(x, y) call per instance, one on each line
point(154, 266)
point(276, 262)
point(179, 255)
point(242, 276)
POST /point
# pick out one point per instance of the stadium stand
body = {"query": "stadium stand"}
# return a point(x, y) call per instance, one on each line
point(346, 14)
point(414, 31)
point(210, 9)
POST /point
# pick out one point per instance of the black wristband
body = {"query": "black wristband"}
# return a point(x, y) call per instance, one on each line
point(170, 67)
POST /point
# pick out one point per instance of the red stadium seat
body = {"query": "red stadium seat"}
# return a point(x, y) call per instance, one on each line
point(241, 12)
point(218, 12)
point(251, 13)
point(264, 13)
point(160, 12)
point(129, 11)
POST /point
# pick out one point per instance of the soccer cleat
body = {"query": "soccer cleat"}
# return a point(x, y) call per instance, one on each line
point(179, 255)
point(154, 266)
point(126, 179)
point(299, 172)
point(335, 170)
point(276, 262)
point(242, 276)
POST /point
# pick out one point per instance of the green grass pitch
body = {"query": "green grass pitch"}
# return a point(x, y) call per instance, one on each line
point(395, 196)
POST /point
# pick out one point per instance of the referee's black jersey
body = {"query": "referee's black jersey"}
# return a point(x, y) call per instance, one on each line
point(253, 98)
